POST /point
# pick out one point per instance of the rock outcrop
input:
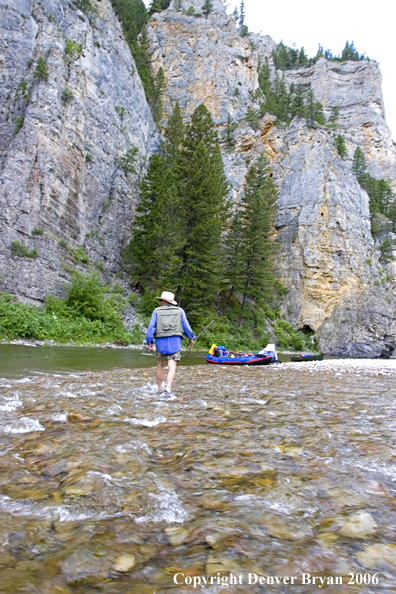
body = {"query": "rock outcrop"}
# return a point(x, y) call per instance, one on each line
point(337, 286)
point(63, 132)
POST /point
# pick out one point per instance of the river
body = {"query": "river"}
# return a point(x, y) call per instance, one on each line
point(283, 471)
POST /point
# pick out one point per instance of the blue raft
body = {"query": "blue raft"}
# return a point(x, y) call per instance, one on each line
point(257, 359)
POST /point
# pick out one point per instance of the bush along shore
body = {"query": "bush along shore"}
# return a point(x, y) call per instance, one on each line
point(91, 315)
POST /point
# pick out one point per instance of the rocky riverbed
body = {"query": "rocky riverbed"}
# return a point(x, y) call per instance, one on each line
point(277, 471)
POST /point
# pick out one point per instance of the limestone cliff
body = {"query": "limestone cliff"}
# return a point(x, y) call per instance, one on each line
point(337, 286)
point(63, 133)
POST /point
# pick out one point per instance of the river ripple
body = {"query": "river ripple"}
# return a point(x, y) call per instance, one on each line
point(276, 471)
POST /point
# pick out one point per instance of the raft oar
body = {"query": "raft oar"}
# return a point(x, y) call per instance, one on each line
point(200, 334)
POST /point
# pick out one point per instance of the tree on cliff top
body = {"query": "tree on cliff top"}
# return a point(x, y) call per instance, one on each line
point(242, 14)
point(207, 8)
point(158, 6)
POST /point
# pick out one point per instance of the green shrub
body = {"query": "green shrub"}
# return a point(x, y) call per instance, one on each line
point(73, 50)
point(127, 161)
point(79, 255)
point(38, 231)
point(67, 95)
point(21, 251)
point(341, 146)
point(19, 122)
point(91, 313)
point(136, 334)
point(87, 6)
point(121, 111)
point(41, 69)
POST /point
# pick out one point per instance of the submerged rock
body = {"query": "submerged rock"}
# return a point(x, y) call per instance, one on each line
point(82, 565)
point(124, 563)
point(359, 525)
point(378, 556)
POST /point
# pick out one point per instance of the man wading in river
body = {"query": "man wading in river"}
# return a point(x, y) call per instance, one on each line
point(168, 325)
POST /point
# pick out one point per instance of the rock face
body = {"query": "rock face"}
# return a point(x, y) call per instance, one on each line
point(73, 106)
point(61, 139)
point(327, 260)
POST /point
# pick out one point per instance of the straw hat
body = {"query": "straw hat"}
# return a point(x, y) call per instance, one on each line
point(167, 296)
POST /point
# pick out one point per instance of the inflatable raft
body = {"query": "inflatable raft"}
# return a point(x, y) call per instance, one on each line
point(307, 357)
point(248, 359)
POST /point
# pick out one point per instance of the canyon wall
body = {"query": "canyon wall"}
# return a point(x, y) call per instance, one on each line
point(62, 139)
point(66, 134)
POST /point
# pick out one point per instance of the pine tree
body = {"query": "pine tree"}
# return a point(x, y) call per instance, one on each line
point(250, 262)
point(298, 103)
point(350, 53)
point(335, 112)
point(251, 118)
point(157, 233)
point(302, 58)
point(174, 136)
point(319, 53)
point(157, 93)
point(387, 249)
point(359, 165)
point(203, 189)
point(207, 8)
point(155, 6)
point(383, 195)
point(234, 264)
point(228, 133)
point(341, 146)
point(391, 214)
point(242, 14)
point(314, 109)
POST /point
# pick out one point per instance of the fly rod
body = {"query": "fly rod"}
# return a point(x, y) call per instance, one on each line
point(200, 334)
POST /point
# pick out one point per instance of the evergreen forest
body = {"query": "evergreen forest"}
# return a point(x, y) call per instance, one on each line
point(286, 103)
point(290, 58)
point(187, 238)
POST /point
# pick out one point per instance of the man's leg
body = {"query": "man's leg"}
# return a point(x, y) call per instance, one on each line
point(159, 373)
point(171, 374)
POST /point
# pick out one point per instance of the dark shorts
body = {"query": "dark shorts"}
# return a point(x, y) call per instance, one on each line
point(171, 357)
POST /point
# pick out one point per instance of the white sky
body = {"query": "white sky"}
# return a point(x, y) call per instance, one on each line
point(370, 25)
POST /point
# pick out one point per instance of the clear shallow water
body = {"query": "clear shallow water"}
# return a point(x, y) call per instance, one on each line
point(19, 361)
point(276, 471)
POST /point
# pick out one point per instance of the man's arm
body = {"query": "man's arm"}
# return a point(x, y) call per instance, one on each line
point(187, 329)
point(151, 331)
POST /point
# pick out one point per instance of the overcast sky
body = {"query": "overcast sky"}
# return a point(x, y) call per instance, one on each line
point(370, 25)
